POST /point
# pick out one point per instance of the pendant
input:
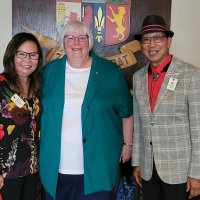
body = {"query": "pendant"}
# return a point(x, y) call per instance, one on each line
point(155, 77)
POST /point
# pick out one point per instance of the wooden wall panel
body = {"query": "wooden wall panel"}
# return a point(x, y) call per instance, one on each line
point(40, 15)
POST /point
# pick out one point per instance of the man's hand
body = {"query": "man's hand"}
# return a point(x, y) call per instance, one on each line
point(193, 187)
point(136, 174)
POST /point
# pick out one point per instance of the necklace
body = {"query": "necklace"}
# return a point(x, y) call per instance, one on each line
point(33, 112)
point(31, 106)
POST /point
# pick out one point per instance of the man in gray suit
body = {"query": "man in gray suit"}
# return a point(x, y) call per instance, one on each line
point(166, 96)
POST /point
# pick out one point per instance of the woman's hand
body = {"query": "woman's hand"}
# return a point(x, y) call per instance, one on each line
point(126, 153)
point(128, 139)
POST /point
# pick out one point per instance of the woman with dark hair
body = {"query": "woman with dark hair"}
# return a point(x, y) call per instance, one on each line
point(20, 86)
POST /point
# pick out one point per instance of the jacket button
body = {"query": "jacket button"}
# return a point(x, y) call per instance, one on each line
point(150, 143)
point(84, 140)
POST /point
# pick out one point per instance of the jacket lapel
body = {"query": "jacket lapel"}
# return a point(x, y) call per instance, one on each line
point(145, 89)
point(91, 89)
point(173, 72)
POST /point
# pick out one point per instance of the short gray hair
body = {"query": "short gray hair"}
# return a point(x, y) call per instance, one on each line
point(77, 26)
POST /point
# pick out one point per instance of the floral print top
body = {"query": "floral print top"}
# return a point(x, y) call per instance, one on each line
point(19, 133)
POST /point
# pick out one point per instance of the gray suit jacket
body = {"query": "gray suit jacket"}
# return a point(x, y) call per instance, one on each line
point(171, 134)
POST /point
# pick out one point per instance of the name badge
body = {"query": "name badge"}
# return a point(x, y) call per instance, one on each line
point(17, 100)
point(172, 84)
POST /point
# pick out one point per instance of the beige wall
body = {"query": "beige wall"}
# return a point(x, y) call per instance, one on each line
point(6, 27)
point(185, 18)
point(185, 23)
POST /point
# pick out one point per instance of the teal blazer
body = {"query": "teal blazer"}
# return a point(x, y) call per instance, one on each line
point(107, 100)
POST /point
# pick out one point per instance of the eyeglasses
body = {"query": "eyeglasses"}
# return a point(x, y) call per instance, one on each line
point(81, 38)
point(156, 39)
point(23, 55)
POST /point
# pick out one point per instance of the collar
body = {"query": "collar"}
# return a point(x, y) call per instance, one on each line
point(163, 67)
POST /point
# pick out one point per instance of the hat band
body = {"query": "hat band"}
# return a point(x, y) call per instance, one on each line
point(153, 27)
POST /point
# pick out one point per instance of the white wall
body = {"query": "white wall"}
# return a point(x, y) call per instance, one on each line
point(185, 22)
point(6, 27)
point(185, 18)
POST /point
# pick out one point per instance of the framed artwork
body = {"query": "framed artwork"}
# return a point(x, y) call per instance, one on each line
point(112, 22)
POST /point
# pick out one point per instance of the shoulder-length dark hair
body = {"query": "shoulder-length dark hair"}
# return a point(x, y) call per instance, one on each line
point(9, 64)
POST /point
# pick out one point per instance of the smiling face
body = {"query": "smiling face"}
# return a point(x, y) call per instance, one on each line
point(26, 66)
point(76, 45)
point(156, 51)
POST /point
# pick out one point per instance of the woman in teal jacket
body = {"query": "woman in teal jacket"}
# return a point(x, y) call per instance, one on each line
point(87, 121)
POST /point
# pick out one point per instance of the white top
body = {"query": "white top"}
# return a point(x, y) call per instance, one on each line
point(71, 161)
